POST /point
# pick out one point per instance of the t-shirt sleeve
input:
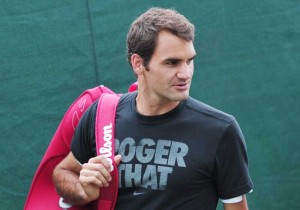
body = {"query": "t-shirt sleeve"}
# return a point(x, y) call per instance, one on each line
point(231, 164)
point(83, 142)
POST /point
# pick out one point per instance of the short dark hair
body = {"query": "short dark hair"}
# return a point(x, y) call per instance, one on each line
point(143, 32)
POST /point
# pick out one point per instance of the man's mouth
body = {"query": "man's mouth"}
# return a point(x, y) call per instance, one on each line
point(182, 86)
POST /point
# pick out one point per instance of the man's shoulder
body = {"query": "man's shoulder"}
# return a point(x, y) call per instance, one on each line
point(126, 97)
point(208, 111)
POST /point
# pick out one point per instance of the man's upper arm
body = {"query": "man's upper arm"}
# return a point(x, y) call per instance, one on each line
point(242, 205)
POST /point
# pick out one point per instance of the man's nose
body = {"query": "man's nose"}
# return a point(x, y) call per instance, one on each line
point(185, 72)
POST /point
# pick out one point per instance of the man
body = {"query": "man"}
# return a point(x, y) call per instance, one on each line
point(173, 152)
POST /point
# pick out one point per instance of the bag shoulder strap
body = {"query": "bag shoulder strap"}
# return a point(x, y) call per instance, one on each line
point(105, 145)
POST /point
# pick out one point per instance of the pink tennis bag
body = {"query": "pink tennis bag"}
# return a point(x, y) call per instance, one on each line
point(42, 193)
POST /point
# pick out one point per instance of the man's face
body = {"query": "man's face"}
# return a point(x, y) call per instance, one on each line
point(170, 68)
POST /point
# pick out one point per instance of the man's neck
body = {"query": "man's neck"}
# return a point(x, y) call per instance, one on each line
point(151, 107)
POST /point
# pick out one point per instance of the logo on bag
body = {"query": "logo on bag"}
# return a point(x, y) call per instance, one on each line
point(106, 149)
point(64, 205)
point(75, 117)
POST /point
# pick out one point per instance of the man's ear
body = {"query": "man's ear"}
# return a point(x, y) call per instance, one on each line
point(137, 64)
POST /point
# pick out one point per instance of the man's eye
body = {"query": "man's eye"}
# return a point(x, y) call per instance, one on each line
point(189, 61)
point(173, 63)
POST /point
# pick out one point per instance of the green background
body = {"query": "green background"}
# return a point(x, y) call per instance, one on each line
point(247, 65)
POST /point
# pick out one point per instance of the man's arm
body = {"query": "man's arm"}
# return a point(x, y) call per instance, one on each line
point(79, 184)
point(242, 205)
point(66, 180)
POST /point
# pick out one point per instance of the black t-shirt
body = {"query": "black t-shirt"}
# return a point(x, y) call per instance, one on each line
point(187, 158)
